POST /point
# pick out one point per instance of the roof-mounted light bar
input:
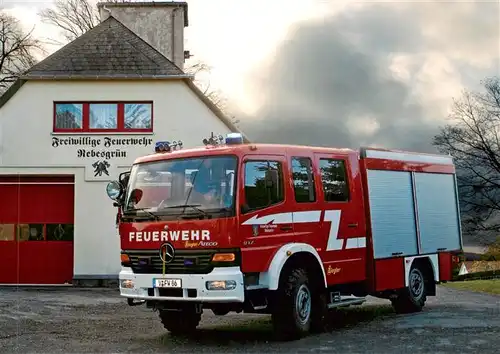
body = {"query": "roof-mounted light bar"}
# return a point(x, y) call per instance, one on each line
point(234, 139)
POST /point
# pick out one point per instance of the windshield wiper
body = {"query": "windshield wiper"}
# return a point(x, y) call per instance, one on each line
point(134, 212)
point(193, 206)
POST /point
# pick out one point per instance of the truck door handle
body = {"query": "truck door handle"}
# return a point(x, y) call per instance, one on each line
point(353, 225)
point(286, 228)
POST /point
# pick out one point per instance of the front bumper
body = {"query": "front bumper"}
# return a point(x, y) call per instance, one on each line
point(140, 286)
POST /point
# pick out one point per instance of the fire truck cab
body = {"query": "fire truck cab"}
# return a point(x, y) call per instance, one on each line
point(290, 231)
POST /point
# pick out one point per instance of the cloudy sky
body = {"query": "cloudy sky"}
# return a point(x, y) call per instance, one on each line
point(337, 72)
point(375, 73)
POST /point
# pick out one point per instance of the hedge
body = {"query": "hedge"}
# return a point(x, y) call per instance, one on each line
point(490, 274)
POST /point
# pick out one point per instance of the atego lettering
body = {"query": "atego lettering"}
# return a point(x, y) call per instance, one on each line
point(164, 236)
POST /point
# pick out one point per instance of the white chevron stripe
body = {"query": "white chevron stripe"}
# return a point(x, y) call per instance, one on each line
point(333, 216)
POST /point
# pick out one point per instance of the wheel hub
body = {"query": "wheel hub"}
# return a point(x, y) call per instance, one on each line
point(303, 304)
point(416, 284)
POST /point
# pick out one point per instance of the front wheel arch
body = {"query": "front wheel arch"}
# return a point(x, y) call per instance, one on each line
point(292, 254)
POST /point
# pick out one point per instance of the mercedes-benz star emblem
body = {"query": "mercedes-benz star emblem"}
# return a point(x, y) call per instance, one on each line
point(167, 253)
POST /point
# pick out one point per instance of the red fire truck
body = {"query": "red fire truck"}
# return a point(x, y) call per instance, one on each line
point(290, 231)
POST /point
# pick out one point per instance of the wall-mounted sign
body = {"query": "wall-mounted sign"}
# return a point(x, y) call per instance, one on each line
point(100, 147)
point(98, 153)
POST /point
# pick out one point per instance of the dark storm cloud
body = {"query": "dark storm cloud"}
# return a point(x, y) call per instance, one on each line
point(331, 79)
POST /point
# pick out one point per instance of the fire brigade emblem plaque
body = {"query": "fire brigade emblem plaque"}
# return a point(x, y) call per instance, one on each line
point(255, 230)
point(167, 253)
point(100, 168)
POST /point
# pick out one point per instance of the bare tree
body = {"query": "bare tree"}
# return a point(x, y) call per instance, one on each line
point(198, 69)
point(473, 139)
point(18, 49)
point(72, 17)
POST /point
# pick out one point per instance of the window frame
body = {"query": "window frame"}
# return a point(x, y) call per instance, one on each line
point(281, 167)
point(17, 227)
point(346, 178)
point(310, 178)
point(120, 125)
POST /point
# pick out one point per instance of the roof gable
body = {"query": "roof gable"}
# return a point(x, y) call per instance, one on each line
point(109, 50)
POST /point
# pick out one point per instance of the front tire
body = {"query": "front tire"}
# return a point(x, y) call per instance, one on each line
point(180, 322)
point(292, 311)
point(412, 298)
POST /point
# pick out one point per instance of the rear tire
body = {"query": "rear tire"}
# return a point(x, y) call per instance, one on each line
point(180, 322)
point(412, 298)
point(292, 310)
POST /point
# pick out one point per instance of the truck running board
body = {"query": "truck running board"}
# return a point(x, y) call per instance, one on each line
point(337, 301)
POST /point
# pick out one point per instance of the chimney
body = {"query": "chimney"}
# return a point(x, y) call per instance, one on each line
point(160, 24)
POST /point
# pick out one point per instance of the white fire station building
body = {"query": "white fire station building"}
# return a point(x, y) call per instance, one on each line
point(76, 120)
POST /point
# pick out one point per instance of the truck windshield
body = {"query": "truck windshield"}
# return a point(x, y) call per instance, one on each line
point(180, 186)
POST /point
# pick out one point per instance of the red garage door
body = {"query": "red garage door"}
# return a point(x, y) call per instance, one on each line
point(36, 229)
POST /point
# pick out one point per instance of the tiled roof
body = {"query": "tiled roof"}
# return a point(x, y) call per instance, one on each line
point(109, 50)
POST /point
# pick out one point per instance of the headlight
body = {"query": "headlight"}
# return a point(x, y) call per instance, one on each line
point(127, 284)
point(220, 285)
point(114, 190)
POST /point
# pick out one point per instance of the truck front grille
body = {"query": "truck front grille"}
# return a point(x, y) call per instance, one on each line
point(184, 262)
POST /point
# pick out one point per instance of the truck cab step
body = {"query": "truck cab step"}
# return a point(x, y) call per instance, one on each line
point(337, 301)
point(346, 302)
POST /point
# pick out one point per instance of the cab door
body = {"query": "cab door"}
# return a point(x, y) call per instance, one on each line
point(343, 228)
point(264, 212)
point(307, 205)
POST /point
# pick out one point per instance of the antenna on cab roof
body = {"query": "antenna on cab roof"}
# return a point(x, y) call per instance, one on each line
point(213, 139)
point(231, 139)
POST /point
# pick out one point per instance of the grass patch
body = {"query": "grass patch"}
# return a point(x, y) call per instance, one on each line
point(491, 286)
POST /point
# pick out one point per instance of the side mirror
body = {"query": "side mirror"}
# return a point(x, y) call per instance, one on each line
point(123, 178)
point(271, 178)
point(114, 190)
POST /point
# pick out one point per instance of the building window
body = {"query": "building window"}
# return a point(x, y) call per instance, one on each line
point(137, 115)
point(78, 117)
point(7, 232)
point(258, 195)
point(103, 116)
point(303, 180)
point(334, 180)
point(69, 116)
point(59, 232)
point(30, 232)
point(38, 232)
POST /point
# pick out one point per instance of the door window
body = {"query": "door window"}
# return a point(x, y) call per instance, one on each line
point(334, 180)
point(263, 184)
point(303, 180)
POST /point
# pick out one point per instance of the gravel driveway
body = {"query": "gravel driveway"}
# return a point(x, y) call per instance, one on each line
point(97, 320)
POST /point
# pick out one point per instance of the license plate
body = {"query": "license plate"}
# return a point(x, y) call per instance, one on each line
point(168, 283)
